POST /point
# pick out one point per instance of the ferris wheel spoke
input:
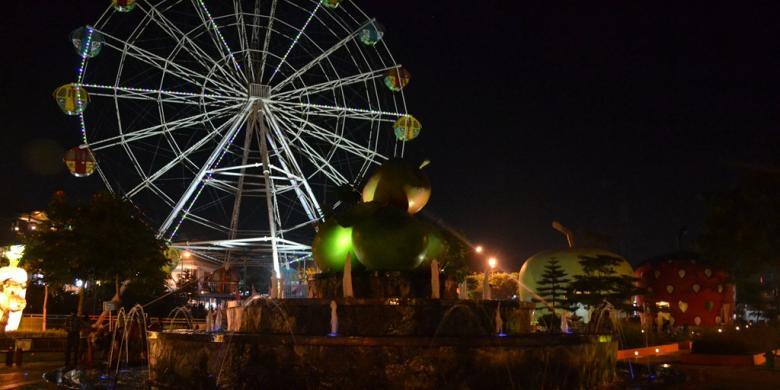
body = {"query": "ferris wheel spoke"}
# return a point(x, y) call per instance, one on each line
point(267, 39)
point(324, 55)
point(333, 84)
point(315, 158)
point(166, 66)
point(167, 199)
point(198, 145)
point(161, 95)
point(185, 42)
point(293, 169)
point(217, 37)
point(336, 111)
point(307, 200)
point(339, 141)
point(295, 41)
point(243, 42)
point(213, 159)
point(193, 217)
point(163, 128)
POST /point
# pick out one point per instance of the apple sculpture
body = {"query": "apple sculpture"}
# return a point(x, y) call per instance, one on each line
point(381, 231)
point(435, 248)
point(332, 245)
point(390, 240)
point(400, 184)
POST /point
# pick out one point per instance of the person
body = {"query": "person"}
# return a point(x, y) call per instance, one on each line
point(84, 331)
point(770, 359)
point(73, 329)
point(156, 325)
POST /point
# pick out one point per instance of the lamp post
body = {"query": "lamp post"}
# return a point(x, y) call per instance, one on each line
point(486, 293)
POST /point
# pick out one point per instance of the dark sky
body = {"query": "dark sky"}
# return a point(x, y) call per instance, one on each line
point(616, 117)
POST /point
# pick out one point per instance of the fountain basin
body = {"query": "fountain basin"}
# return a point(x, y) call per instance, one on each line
point(241, 360)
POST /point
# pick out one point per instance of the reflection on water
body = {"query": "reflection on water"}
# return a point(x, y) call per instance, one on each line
point(634, 375)
point(129, 378)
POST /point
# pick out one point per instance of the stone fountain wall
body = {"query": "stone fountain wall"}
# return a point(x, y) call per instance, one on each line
point(236, 361)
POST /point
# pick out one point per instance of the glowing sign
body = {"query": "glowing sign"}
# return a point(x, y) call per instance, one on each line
point(13, 289)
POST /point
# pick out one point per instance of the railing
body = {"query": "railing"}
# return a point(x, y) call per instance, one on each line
point(33, 322)
point(222, 287)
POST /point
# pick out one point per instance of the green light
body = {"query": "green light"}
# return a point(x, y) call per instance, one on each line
point(343, 239)
point(331, 247)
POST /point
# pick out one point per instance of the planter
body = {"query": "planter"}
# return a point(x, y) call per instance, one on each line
point(655, 350)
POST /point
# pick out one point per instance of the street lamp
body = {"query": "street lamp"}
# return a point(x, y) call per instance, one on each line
point(479, 249)
point(492, 262)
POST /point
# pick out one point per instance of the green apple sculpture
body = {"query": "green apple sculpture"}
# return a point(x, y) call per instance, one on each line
point(390, 240)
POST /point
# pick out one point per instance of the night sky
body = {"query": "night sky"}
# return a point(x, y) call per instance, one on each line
point(617, 118)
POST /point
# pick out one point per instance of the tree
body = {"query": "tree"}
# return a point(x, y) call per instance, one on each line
point(503, 285)
point(600, 283)
point(742, 235)
point(104, 240)
point(458, 255)
point(552, 287)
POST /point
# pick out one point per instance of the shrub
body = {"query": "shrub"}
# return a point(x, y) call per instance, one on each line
point(754, 340)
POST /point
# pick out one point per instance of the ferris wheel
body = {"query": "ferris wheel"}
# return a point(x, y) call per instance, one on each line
point(231, 123)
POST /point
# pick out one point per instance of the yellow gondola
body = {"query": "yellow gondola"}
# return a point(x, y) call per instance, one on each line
point(72, 99)
point(407, 128)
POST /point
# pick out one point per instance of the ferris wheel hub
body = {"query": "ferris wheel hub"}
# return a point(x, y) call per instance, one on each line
point(259, 91)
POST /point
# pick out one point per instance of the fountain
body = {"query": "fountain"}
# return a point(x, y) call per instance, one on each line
point(183, 312)
point(393, 320)
point(126, 366)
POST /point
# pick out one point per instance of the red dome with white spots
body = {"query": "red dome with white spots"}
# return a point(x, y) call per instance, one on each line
point(697, 293)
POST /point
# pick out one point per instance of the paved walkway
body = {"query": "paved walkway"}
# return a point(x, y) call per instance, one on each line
point(30, 374)
point(717, 377)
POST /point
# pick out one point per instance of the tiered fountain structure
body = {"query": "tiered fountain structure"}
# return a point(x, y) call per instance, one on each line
point(387, 320)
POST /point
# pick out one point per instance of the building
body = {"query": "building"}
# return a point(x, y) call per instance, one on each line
point(569, 261)
point(685, 290)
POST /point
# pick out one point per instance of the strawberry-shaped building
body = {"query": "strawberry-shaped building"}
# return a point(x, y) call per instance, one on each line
point(691, 291)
